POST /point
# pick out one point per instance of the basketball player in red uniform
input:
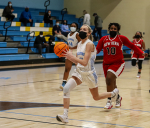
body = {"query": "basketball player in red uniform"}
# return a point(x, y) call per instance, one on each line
point(113, 62)
point(141, 44)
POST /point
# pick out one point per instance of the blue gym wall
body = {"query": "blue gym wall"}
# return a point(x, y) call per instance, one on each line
point(55, 4)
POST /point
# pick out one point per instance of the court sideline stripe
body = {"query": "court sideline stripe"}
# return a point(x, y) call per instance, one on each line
point(69, 119)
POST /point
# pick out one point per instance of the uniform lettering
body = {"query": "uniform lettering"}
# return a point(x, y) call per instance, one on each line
point(111, 43)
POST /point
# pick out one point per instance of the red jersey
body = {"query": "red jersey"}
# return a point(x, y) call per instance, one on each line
point(112, 48)
point(138, 43)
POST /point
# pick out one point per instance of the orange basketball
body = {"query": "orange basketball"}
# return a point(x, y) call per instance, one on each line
point(59, 48)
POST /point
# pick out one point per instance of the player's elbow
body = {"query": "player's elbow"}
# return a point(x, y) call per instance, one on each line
point(85, 63)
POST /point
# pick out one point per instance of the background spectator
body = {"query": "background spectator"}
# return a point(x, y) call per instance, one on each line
point(40, 43)
point(26, 17)
point(8, 12)
point(98, 26)
point(51, 39)
point(65, 28)
point(48, 18)
point(57, 32)
point(87, 18)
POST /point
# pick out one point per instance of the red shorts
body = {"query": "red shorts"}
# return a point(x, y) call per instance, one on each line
point(136, 56)
point(116, 68)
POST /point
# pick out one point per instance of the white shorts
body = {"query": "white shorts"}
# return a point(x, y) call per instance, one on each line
point(90, 78)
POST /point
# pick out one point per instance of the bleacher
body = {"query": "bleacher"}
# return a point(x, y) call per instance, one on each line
point(14, 48)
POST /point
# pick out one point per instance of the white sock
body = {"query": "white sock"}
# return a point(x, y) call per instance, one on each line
point(66, 111)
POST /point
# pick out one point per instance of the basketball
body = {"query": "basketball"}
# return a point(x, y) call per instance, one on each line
point(59, 48)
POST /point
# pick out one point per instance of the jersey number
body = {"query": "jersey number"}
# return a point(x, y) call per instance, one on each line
point(111, 50)
point(70, 43)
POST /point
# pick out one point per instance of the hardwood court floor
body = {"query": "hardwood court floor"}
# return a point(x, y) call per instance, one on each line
point(32, 99)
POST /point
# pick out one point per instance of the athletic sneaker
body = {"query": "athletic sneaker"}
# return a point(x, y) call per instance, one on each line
point(138, 75)
point(62, 85)
point(116, 92)
point(118, 102)
point(62, 118)
point(108, 104)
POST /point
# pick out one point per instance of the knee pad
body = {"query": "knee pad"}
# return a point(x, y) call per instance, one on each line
point(70, 85)
point(133, 62)
point(140, 64)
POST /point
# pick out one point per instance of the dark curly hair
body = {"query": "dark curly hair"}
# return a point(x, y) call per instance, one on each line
point(115, 24)
point(140, 33)
point(75, 24)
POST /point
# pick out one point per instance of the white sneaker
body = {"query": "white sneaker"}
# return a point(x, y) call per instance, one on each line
point(138, 75)
point(108, 104)
point(116, 92)
point(118, 102)
point(62, 118)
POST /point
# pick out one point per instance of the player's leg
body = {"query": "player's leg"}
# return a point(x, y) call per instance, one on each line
point(70, 85)
point(119, 98)
point(111, 73)
point(139, 68)
point(111, 85)
point(68, 65)
point(133, 62)
point(97, 96)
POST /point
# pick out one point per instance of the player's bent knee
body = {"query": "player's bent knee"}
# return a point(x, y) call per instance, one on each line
point(66, 92)
point(71, 84)
point(95, 98)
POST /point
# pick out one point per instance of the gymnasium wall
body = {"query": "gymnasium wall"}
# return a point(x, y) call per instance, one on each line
point(55, 4)
point(77, 6)
point(133, 15)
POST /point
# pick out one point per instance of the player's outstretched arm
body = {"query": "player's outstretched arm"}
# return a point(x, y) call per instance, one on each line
point(130, 45)
point(100, 44)
point(84, 61)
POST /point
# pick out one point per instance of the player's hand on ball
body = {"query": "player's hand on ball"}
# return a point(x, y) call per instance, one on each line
point(67, 54)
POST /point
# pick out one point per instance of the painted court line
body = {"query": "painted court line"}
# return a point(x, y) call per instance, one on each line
point(75, 120)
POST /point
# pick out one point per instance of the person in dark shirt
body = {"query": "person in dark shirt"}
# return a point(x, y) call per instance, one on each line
point(26, 17)
point(8, 12)
point(98, 26)
point(57, 32)
point(48, 18)
point(40, 43)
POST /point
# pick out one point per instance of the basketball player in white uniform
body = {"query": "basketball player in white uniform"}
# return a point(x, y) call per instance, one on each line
point(73, 39)
point(84, 72)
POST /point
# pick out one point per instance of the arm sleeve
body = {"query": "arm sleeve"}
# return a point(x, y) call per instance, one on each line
point(100, 44)
point(130, 45)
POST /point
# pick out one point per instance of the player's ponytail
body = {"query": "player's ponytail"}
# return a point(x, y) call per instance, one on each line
point(91, 37)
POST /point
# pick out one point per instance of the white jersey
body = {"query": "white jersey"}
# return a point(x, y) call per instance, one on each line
point(87, 73)
point(80, 54)
point(72, 40)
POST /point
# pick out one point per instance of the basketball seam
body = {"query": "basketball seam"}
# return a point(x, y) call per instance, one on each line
point(60, 49)
point(58, 45)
